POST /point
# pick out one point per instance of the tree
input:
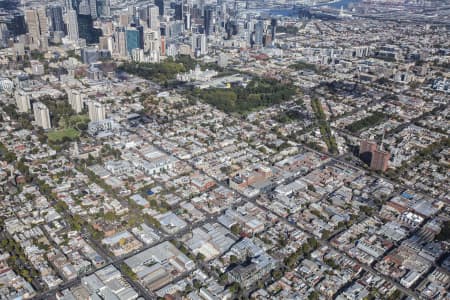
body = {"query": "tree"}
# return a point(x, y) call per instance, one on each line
point(234, 259)
point(277, 274)
point(236, 229)
point(235, 287)
point(444, 234)
point(197, 284)
point(313, 296)
point(127, 271)
point(223, 278)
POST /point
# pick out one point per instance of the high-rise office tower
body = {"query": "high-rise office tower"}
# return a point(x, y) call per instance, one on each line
point(124, 19)
point(132, 39)
point(76, 100)
point(160, 5)
point(178, 8)
point(153, 17)
point(259, 32)
point(97, 111)
point(93, 8)
point(55, 16)
point(208, 19)
point(199, 45)
point(142, 15)
point(120, 44)
point(152, 45)
point(22, 101)
point(104, 8)
point(87, 30)
point(84, 8)
point(41, 115)
point(43, 21)
point(4, 34)
point(187, 21)
point(273, 25)
point(72, 25)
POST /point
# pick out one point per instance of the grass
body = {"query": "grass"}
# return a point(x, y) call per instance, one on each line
point(73, 121)
point(59, 135)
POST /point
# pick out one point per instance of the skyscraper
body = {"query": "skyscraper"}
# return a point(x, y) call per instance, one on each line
point(104, 8)
point(84, 8)
point(178, 8)
point(273, 25)
point(160, 5)
point(153, 17)
point(86, 29)
point(199, 45)
point(133, 39)
point(259, 31)
point(120, 45)
point(4, 34)
point(208, 20)
point(41, 115)
point(55, 16)
point(96, 111)
point(93, 8)
point(72, 25)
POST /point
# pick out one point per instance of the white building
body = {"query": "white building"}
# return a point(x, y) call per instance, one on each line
point(97, 111)
point(72, 25)
point(22, 101)
point(76, 100)
point(6, 85)
point(197, 75)
point(153, 17)
point(41, 115)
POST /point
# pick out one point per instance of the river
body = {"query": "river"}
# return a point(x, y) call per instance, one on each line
point(292, 12)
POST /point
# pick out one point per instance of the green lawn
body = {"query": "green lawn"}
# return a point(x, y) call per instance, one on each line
point(59, 135)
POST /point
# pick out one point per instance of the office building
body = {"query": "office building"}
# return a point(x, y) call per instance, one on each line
point(104, 8)
point(208, 24)
point(55, 16)
point(72, 25)
point(160, 5)
point(132, 39)
point(258, 34)
point(89, 55)
point(93, 8)
point(153, 17)
point(4, 34)
point(84, 8)
point(97, 111)
point(120, 44)
point(87, 30)
point(178, 8)
point(199, 45)
point(41, 115)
